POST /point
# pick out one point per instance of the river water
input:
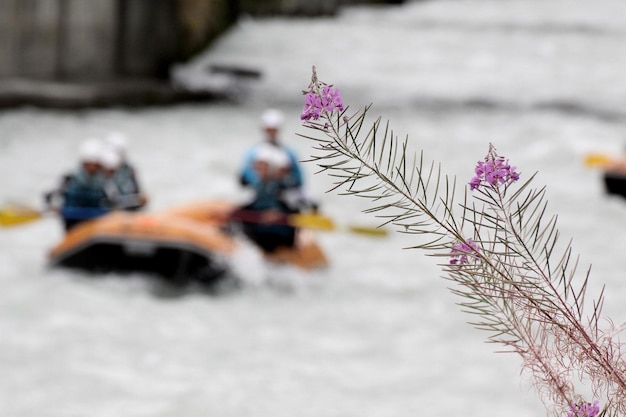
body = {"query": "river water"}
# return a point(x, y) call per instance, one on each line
point(378, 333)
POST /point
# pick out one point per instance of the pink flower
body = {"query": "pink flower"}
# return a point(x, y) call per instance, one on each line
point(462, 252)
point(584, 410)
point(312, 107)
point(331, 99)
point(319, 98)
point(495, 170)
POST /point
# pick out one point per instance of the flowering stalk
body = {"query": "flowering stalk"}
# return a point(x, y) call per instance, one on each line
point(320, 99)
point(511, 270)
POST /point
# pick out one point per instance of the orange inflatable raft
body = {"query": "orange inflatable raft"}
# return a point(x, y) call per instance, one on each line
point(184, 244)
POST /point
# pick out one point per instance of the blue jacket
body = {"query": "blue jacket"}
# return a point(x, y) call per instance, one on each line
point(268, 196)
point(84, 196)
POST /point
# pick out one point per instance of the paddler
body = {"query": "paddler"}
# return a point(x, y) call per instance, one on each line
point(291, 172)
point(83, 194)
point(263, 218)
point(125, 174)
point(271, 122)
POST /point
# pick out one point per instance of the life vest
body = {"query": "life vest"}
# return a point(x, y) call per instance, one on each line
point(269, 236)
point(126, 179)
point(83, 190)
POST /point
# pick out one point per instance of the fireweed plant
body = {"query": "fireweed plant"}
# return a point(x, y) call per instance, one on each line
point(496, 245)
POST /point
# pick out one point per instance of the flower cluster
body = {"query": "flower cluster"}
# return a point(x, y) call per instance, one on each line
point(462, 252)
point(530, 298)
point(494, 170)
point(320, 97)
point(584, 410)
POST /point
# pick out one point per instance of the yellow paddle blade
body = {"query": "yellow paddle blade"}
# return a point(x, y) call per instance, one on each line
point(597, 160)
point(314, 221)
point(317, 221)
point(307, 221)
point(373, 231)
point(13, 216)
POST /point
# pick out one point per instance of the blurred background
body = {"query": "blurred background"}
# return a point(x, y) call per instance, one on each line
point(122, 45)
point(377, 333)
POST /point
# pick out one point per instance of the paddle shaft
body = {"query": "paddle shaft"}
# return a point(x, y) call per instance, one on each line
point(302, 220)
point(13, 216)
point(290, 219)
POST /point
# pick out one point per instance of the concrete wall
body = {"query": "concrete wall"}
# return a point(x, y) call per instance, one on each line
point(146, 41)
point(28, 37)
point(202, 21)
point(289, 7)
point(105, 39)
point(111, 39)
point(302, 7)
point(86, 38)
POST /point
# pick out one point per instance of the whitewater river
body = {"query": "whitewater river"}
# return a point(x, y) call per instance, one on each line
point(378, 333)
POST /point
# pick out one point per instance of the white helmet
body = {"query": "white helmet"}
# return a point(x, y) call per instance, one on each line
point(110, 159)
point(117, 141)
point(90, 150)
point(272, 119)
point(274, 156)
